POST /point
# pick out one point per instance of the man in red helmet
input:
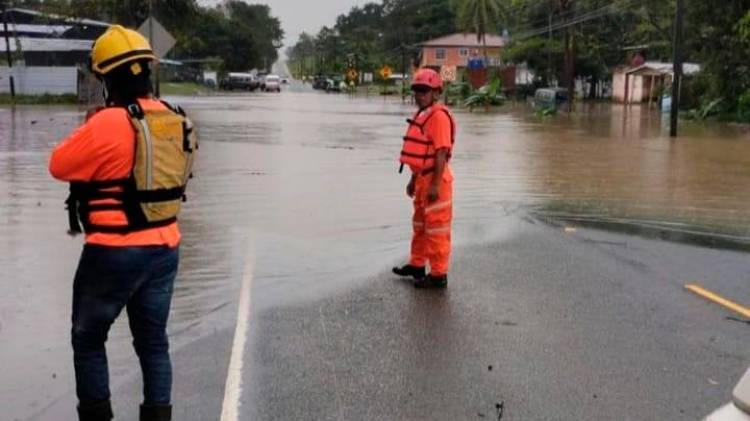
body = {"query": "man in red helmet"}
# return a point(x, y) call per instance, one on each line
point(427, 150)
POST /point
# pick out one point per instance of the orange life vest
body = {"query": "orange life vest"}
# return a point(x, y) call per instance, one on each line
point(418, 151)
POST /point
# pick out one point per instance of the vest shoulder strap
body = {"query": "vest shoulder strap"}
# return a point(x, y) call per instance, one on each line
point(135, 111)
point(434, 110)
point(440, 108)
point(174, 108)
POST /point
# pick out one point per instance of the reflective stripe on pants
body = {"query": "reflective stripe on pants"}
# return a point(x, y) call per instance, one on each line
point(431, 242)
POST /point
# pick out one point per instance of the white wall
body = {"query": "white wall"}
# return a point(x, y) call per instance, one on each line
point(637, 90)
point(41, 80)
point(618, 87)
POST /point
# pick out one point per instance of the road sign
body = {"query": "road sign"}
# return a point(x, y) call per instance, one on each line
point(448, 73)
point(386, 72)
point(352, 74)
point(160, 39)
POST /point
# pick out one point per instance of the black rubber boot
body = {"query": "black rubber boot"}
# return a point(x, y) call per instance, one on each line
point(156, 413)
point(95, 411)
point(432, 281)
point(409, 270)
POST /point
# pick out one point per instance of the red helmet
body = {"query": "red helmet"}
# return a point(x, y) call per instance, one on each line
point(427, 77)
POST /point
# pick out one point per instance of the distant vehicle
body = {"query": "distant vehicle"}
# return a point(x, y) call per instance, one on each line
point(239, 81)
point(272, 84)
point(284, 80)
point(320, 82)
point(261, 76)
point(739, 408)
point(334, 84)
point(546, 98)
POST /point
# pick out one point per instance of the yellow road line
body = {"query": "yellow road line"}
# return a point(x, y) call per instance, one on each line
point(744, 311)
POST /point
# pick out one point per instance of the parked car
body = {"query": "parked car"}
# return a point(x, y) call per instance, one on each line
point(320, 82)
point(546, 98)
point(334, 84)
point(272, 84)
point(261, 76)
point(239, 81)
point(739, 408)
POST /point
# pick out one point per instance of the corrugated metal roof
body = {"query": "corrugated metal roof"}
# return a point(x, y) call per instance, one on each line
point(36, 29)
point(65, 18)
point(51, 44)
point(466, 40)
point(665, 68)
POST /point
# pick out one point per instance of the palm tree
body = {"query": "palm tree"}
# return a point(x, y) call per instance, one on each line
point(480, 17)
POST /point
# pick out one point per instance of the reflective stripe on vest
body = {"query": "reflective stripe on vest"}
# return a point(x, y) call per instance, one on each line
point(418, 150)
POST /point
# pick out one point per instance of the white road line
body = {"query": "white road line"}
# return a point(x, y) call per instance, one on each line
point(233, 387)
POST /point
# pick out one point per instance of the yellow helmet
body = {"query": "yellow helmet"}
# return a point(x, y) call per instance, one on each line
point(118, 46)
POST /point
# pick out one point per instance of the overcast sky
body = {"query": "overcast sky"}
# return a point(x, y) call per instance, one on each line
point(303, 15)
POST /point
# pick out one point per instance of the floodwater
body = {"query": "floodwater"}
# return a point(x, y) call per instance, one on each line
point(301, 191)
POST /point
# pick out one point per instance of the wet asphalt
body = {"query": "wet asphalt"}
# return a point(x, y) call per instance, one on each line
point(539, 322)
point(542, 325)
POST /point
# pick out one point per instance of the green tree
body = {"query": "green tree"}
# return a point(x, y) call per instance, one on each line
point(716, 42)
point(241, 35)
point(481, 17)
point(255, 21)
point(375, 34)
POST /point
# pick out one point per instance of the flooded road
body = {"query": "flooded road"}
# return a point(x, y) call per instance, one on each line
point(303, 188)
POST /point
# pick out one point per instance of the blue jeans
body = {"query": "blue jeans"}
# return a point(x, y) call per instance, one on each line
point(107, 280)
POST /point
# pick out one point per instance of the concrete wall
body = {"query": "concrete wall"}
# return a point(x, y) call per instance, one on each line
point(40, 80)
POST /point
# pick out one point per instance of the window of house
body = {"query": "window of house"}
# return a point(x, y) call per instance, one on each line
point(440, 54)
point(463, 52)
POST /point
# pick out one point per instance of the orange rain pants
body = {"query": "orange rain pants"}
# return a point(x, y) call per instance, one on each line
point(431, 241)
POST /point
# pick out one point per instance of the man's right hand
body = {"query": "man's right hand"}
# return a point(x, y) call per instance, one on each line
point(410, 189)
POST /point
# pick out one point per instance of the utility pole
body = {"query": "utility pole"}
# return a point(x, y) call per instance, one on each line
point(566, 7)
point(549, 49)
point(151, 41)
point(677, 80)
point(7, 52)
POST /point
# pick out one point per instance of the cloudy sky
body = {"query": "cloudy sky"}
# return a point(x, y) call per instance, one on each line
point(303, 15)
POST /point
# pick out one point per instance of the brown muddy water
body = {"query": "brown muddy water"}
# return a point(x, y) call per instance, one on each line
point(301, 190)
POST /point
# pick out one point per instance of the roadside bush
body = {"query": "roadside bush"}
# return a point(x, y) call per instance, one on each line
point(743, 107)
point(486, 96)
point(693, 93)
point(456, 93)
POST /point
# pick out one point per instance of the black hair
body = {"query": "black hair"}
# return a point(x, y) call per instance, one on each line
point(124, 86)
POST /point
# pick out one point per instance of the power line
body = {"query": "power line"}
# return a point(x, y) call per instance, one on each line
point(564, 23)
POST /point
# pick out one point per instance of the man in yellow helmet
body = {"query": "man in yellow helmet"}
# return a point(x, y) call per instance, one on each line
point(127, 166)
